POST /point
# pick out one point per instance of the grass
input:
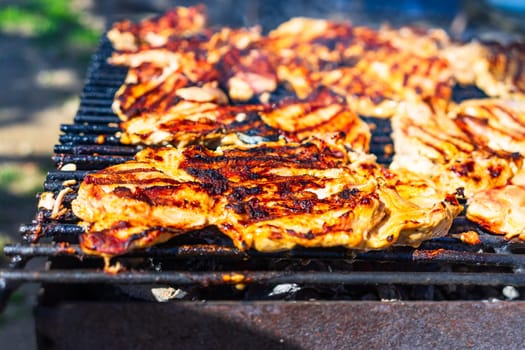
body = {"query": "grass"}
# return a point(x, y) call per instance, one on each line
point(48, 22)
point(21, 180)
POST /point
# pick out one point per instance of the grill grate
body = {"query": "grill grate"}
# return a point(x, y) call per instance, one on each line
point(91, 143)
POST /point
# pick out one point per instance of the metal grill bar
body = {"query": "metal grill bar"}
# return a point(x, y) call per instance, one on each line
point(266, 277)
point(208, 251)
point(89, 129)
point(95, 149)
point(106, 119)
point(90, 162)
point(89, 139)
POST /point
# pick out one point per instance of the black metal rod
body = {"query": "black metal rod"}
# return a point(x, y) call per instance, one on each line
point(86, 162)
point(89, 139)
point(52, 229)
point(95, 110)
point(96, 149)
point(209, 251)
point(89, 129)
point(95, 94)
point(96, 119)
point(95, 101)
point(56, 175)
point(107, 91)
point(266, 277)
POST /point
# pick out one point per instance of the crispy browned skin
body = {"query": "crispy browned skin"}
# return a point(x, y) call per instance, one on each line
point(270, 197)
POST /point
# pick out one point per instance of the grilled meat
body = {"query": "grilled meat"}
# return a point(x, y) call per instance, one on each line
point(270, 197)
point(433, 145)
point(135, 205)
point(381, 80)
point(501, 71)
point(285, 172)
point(323, 114)
point(499, 210)
point(157, 31)
point(304, 54)
point(496, 124)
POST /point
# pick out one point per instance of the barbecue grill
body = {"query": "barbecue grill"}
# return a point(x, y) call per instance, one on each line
point(198, 291)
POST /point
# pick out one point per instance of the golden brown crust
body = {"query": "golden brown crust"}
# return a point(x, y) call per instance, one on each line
point(270, 197)
point(499, 210)
point(191, 86)
point(156, 31)
point(435, 146)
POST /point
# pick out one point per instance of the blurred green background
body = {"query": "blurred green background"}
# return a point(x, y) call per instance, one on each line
point(45, 47)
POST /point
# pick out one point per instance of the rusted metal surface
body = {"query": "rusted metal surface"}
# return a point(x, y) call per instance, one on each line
point(281, 325)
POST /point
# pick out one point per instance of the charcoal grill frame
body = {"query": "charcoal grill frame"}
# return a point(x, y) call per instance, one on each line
point(92, 142)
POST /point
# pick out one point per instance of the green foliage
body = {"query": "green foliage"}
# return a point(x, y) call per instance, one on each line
point(8, 175)
point(19, 180)
point(49, 22)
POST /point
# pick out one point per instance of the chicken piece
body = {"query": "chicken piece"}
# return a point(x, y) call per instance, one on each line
point(188, 122)
point(433, 145)
point(226, 39)
point(270, 197)
point(501, 72)
point(499, 210)
point(156, 31)
point(432, 208)
point(323, 114)
point(247, 73)
point(496, 124)
point(381, 80)
point(465, 59)
point(365, 93)
point(146, 87)
point(135, 205)
point(424, 42)
point(413, 78)
point(199, 52)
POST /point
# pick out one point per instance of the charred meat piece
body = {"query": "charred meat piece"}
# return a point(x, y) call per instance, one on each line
point(269, 197)
point(136, 205)
point(323, 114)
point(189, 122)
point(246, 74)
point(155, 32)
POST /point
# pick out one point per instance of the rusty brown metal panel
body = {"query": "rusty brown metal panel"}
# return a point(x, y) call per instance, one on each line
point(282, 325)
